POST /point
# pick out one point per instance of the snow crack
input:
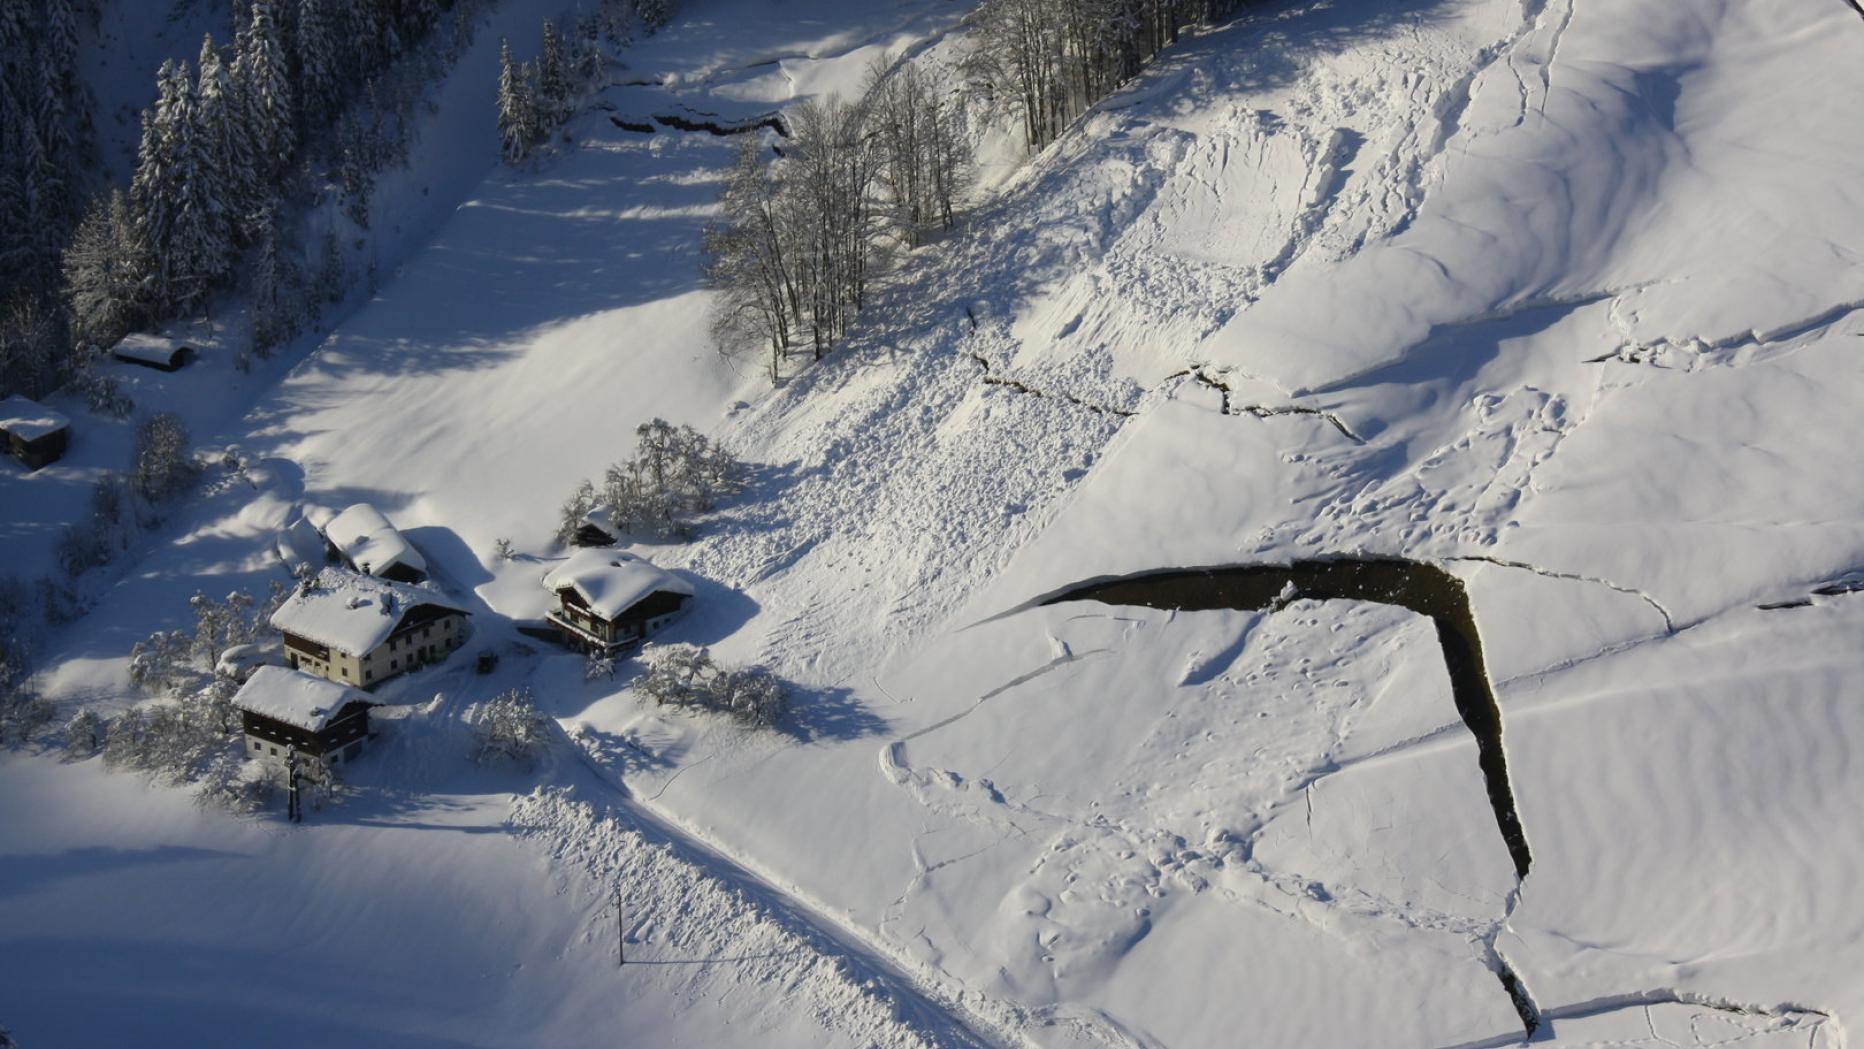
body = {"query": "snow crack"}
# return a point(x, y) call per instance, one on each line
point(1669, 624)
point(991, 378)
point(1263, 411)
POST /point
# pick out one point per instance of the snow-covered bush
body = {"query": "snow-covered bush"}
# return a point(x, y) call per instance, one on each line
point(84, 735)
point(231, 781)
point(171, 662)
point(22, 710)
point(509, 728)
point(599, 667)
point(687, 676)
point(174, 742)
point(163, 464)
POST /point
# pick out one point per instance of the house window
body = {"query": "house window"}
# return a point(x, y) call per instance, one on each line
point(368, 675)
point(257, 746)
point(394, 664)
point(274, 750)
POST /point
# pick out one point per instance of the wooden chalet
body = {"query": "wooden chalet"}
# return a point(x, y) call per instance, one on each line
point(282, 711)
point(153, 351)
point(608, 600)
point(360, 631)
point(35, 435)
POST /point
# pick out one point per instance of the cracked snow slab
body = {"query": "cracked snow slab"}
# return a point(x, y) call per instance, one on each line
point(1692, 803)
point(1279, 814)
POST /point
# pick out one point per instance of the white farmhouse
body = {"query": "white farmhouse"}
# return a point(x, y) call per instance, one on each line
point(359, 630)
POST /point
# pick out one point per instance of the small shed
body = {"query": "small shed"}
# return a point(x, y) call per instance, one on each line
point(597, 528)
point(153, 351)
point(283, 711)
point(609, 600)
point(35, 435)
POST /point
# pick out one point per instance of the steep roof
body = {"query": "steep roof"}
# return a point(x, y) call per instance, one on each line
point(611, 582)
point(295, 698)
point(352, 612)
point(30, 420)
point(369, 542)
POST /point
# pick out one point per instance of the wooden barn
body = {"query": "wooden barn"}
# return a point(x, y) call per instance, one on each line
point(282, 711)
point(597, 529)
point(608, 600)
point(360, 631)
point(35, 435)
point(153, 351)
point(365, 540)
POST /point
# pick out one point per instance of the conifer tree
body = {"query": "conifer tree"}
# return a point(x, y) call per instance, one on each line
point(553, 88)
point(106, 267)
point(319, 62)
point(265, 84)
point(517, 109)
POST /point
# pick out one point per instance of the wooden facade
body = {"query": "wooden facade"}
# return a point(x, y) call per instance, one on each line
point(585, 629)
point(338, 743)
point(41, 452)
point(591, 534)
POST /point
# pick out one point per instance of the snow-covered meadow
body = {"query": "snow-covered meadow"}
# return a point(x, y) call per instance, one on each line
point(1562, 296)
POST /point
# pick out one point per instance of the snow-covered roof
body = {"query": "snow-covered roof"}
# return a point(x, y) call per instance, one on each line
point(154, 349)
point(299, 543)
point(294, 697)
point(603, 517)
point(345, 610)
point(611, 582)
point(369, 542)
point(29, 420)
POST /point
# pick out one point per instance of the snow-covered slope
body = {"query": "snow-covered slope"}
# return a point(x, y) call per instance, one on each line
point(1562, 297)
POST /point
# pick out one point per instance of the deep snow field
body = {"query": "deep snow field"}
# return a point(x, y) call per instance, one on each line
point(1564, 297)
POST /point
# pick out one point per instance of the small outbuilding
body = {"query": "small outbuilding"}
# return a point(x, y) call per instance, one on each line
point(360, 631)
point(282, 711)
point(365, 540)
point(608, 600)
point(153, 351)
point(35, 435)
point(597, 528)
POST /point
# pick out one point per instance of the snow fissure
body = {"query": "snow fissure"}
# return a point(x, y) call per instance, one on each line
point(1264, 411)
point(1669, 623)
point(1423, 588)
point(993, 379)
